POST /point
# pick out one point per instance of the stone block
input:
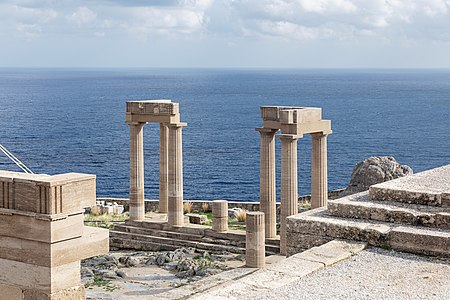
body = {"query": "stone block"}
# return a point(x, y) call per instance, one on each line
point(416, 240)
point(41, 228)
point(65, 193)
point(44, 279)
point(72, 293)
point(9, 292)
point(197, 219)
point(93, 242)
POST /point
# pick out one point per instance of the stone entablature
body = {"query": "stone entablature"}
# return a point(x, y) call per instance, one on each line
point(155, 111)
point(42, 235)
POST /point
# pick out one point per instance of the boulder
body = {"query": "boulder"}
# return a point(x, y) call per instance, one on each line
point(375, 170)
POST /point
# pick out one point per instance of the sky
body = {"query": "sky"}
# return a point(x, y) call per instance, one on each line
point(225, 33)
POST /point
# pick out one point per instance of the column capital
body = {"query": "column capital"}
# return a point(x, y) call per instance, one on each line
point(268, 131)
point(130, 123)
point(176, 125)
point(289, 137)
point(321, 134)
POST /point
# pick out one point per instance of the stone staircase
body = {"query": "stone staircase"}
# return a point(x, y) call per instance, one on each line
point(157, 235)
point(409, 214)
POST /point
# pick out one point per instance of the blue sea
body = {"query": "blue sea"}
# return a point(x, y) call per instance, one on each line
point(72, 120)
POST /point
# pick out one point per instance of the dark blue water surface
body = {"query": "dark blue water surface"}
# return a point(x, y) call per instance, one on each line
point(60, 121)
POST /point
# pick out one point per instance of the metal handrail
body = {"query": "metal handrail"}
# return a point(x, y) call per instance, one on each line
point(11, 156)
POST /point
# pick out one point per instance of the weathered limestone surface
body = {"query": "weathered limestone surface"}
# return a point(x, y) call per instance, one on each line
point(268, 180)
point(42, 237)
point(289, 184)
point(163, 168)
point(255, 251)
point(293, 122)
point(425, 188)
point(44, 193)
point(375, 170)
point(137, 171)
point(405, 220)
point(175, 167)
point(283, 272)
point(220, 215)
point(319, 178)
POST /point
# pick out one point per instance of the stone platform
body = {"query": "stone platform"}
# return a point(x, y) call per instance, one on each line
point(407, 214)
point(155, 234)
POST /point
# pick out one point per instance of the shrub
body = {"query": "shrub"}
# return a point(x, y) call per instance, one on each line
point(205, 207)
point(187, 207)
point(241, 215)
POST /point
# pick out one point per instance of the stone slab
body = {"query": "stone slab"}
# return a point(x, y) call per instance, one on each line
point(93, 242)
point(360, 206)
point(38, 227)
point(331, 252)
point(417, 240)
point(317, 222)
point(422, 188)
point(44, 279)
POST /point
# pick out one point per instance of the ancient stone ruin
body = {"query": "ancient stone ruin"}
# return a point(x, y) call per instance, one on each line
point(166, 113)
point(410, 213)
point(293, 122)
point(42, 236)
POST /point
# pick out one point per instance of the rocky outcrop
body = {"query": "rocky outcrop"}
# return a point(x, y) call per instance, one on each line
point(375, 170)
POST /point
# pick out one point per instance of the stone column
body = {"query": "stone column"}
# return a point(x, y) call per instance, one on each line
point(289, 184)
point(175, 176)
point(163, 168)
point(267, 182)
point(220, 215)
point(255, 245)
point(137, 209)
point(319, 180)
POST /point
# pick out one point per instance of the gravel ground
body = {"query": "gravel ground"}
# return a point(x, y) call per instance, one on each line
point(373, 274)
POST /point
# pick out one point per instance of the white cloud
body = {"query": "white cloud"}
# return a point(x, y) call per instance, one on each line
point(82, 16)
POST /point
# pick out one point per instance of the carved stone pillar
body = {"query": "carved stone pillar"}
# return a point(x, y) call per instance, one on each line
point(267, 177)
point(319, 180)
point(289, 183)
point(175, 176)
point(255, 244)
point(137, 209)
point(163, 167)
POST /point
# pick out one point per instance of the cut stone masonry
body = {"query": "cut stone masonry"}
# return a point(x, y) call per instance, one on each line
point(42, 237)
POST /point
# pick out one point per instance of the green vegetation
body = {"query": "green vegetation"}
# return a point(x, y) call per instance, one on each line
point(103, 283)
point(105, 221)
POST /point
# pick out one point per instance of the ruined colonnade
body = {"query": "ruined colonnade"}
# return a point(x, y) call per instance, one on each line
point(166, 113)
point(293, 122)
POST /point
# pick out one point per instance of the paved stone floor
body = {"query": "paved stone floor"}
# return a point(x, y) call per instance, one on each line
point(373, 274)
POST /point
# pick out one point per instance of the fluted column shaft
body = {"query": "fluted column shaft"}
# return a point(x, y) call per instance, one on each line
point(319, 179)
point(255, 243)
point(289, 184)
point(175, 176)
point(137, 209)
point(267, 184)
point(163, 167)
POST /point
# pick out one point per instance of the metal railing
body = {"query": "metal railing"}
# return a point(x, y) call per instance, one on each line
point(11, 156)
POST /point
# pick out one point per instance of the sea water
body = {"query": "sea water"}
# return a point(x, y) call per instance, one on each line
point(72, 120)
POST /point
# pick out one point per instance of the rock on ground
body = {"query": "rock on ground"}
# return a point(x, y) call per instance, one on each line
point(375, 170)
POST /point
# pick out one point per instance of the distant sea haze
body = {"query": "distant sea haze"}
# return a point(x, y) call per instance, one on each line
point(59, 121)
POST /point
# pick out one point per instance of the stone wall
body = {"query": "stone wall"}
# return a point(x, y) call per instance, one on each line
point(152, 205)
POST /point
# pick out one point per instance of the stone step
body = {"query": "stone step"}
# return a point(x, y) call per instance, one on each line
point(430, 187)
point(121, 239)
point(317, 227)
point(360, 206)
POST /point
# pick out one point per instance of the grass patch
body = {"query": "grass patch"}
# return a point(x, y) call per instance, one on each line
point(105, 221)
point(102, 283)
